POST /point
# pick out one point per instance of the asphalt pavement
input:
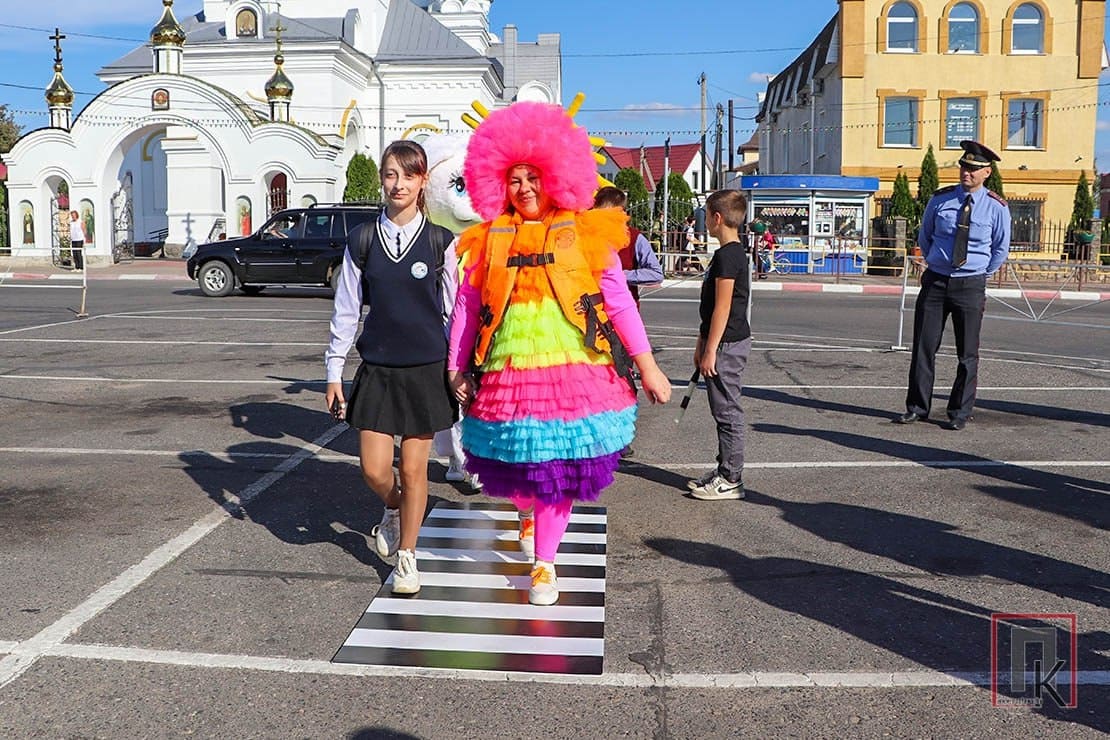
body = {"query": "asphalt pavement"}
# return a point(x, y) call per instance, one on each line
point(185, 540)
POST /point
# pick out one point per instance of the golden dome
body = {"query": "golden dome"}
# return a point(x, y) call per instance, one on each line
point(168, 32)
point(59, 92)
point(279, 86)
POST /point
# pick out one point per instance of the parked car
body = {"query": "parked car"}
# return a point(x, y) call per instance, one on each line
point(297, 246)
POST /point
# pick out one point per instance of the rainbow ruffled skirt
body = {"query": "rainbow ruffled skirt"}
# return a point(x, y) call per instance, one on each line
point(551, 416)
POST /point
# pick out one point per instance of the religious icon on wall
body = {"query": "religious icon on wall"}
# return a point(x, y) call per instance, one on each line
point(28, 214)
point(88, 221)
point(246, 24)
point(244, 206)
point(160, 99)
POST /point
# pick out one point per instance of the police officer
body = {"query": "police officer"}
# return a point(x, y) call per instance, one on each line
point(964, 238)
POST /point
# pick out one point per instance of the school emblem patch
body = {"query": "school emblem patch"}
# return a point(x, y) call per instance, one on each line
point(419, 270)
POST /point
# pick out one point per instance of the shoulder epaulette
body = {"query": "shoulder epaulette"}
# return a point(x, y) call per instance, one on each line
point(997, 197)
point(946, 189)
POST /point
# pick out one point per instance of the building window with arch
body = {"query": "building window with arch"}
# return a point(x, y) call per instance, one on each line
point(963, 29)
point(1024, 123)
point(900, 124)
point(961, 121)
point(1027, 30)
point(901, 28)
point(246, 24)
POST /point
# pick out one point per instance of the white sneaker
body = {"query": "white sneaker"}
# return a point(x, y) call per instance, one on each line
point(387, 534)
point(719, 489)
point(702, 480)
point(455, 472)
point(527, 535)
point(545, 587)
point(406, 578)
point(473, 482)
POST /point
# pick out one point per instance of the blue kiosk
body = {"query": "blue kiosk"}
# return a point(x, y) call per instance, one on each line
point(820, 222)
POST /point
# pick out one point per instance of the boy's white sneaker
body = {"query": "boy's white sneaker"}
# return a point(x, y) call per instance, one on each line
point(473, 482)
point(527, 535)
point(719, 489)
point(702, 480)
point(545, 587)
point(387, 534)
point(406, 578)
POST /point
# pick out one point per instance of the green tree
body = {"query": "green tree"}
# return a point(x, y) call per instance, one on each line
point(1083, 208)
point(927, 182)
point(363, 183)
point(681, 197)
point(9, 129)
point(902, 203)
point(994, 182)
point(639, 202)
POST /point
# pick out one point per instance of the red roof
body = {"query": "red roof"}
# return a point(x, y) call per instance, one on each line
point(652, 170)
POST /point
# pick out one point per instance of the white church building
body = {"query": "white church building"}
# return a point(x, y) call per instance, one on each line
point(251, 106)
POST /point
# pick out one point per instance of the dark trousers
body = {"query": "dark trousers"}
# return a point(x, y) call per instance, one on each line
point(964, 299)
point(77, 252)
point(725, 391)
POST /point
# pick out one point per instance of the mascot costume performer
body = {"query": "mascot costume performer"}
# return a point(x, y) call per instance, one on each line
point(449, 206)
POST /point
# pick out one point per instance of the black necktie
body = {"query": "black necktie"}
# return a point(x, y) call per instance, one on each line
point(963, 228)
point(399, 245)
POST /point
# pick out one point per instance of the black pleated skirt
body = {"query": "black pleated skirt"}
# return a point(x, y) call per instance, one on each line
point(405, 401)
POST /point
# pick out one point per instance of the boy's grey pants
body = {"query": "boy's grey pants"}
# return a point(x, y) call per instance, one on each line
point(724, 403)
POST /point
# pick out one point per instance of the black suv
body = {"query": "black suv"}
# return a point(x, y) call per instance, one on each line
point(297, 246)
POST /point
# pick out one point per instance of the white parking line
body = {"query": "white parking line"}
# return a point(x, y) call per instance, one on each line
point(27, 653)
point(184, 343)
point(738, 680)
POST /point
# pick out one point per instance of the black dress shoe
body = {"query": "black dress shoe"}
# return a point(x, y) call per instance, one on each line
point(956, 424)
point(910, 417)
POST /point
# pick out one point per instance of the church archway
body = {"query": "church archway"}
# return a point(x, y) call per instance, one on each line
point(278, 199)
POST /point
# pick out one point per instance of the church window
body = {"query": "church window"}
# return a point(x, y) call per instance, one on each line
point(246, 24)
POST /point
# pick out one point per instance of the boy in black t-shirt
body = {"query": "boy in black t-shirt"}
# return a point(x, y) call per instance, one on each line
point(724, 341)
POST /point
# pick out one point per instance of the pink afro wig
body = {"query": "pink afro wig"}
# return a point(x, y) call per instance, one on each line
point(539, 134)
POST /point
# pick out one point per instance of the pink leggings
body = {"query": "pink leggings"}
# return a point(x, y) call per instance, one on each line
point(551, 523)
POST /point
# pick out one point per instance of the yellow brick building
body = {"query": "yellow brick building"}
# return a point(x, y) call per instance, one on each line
point(886, 78)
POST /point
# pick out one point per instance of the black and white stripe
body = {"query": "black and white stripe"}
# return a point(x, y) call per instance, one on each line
point(472, 612)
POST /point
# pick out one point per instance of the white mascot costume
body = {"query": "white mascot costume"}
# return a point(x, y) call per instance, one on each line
point(449, 206)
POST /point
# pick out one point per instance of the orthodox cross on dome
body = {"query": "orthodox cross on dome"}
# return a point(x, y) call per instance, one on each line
point(279, 29)
point(57, 39)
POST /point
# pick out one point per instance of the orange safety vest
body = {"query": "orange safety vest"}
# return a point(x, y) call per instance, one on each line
point(564, 260)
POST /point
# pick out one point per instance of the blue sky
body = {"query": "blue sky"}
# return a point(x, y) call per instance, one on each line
point(637, 61)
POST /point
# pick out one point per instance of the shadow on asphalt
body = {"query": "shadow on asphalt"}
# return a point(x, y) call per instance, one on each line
point(337, 509)
point(946, 634)
point(1082, 499)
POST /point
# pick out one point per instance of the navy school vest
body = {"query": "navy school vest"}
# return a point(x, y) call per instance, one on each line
point(404, 324)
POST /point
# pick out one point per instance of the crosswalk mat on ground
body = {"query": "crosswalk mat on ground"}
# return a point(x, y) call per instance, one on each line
point(472, 611)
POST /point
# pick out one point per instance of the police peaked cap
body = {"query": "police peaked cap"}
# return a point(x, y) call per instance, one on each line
point(976, 155)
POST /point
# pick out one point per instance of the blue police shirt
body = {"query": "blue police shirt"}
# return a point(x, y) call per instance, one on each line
point(988, 241)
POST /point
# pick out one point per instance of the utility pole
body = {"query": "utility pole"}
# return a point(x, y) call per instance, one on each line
point(718, 155)
point(731, 143)
point(704, 91)
point(666, 191)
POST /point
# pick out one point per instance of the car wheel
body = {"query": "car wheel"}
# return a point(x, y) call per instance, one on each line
point(333, 279)
point(251, 289)
point(215, 279)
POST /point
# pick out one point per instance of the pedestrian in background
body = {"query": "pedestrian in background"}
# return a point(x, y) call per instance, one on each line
point(964, 238)
point(76, 240)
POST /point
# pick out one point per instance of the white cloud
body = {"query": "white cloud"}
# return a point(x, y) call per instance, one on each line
point(760, 78)
point(1102, 125)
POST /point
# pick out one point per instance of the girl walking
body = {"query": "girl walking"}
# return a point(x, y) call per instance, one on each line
point(397, 266)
